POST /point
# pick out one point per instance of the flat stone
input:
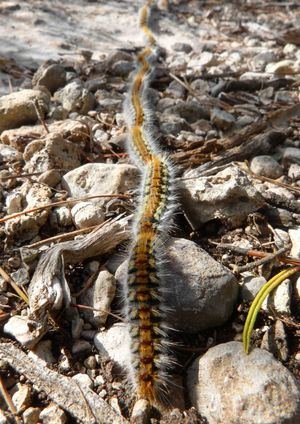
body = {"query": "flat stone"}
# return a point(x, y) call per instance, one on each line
point(266, 166)
point(229, 196)
point(17, 108)
point(100, 178)
point(243, 389)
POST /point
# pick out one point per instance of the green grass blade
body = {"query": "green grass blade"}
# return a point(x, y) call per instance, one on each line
point(258, 301)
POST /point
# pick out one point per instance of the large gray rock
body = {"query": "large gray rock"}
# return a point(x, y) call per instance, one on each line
point(229, 196)
point(229, 387)
point(17, 108)
point(200, 292)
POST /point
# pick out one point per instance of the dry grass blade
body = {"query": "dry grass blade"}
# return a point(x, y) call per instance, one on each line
point(7, 398)
point(257, 302)
point(20, 291)
point(62, 202)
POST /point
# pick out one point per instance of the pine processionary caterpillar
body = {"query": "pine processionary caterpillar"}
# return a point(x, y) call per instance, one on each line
point(145, 308)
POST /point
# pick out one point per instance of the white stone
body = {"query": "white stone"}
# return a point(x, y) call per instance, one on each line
point(294, 171)
point(53, 414)
point(100, 179)
point(87, 214)
point(140, 412)
point(114, 343)
point(266, 166)
point(17, 108)
point(279, 299)
point(281, 237)
point(291, 154)
point(227, 386)
point(260, 60)
point(284, 67)
point(61, 216)
point(21, 396)
point(83, 380)
point(290, 48)
point(43, 351)
point(294, 234)
point(251, 285)
point(19, 327)
point(281, 191)
point(9, 154)
point(229, 196)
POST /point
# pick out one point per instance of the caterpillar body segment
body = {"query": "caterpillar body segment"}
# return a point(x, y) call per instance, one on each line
point(147, 270)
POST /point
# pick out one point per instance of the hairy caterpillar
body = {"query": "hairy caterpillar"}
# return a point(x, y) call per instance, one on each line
point(147, 271)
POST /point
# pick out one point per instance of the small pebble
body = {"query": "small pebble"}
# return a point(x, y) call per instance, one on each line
point(81, 347)
point(140, 412)
point(266, 166)
point(83, 380)
point(90, 362)
point(53, 414)
point(31, 415)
